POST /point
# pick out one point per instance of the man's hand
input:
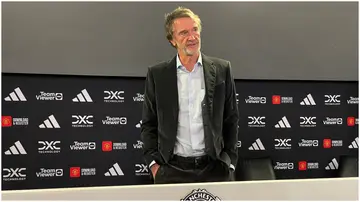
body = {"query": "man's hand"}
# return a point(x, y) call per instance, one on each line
point(154, 168)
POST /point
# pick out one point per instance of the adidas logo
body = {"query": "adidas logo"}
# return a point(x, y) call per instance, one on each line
point(16, 149)
point(139, 124)
point(257, 145)
point(16, 95)
point(50, 123)
point(114, 171)
point(283, 123)
point(308, 100)
point(333, 165)
point(83, 96)
point(354, 144)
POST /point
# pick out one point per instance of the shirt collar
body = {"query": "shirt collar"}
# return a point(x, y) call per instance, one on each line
point(178, 62)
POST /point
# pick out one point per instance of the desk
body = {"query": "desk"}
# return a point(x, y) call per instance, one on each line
point(305, 189)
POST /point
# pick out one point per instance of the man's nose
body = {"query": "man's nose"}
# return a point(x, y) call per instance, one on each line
point(192, 37)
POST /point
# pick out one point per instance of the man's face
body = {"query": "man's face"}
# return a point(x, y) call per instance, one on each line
point(186, 36)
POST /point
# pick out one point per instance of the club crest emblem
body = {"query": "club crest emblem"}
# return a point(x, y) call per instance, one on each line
point(200, 195)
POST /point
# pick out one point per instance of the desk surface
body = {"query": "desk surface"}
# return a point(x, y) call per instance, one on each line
point(304, 189)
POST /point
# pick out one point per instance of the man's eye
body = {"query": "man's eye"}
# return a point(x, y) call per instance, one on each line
point(183, 33)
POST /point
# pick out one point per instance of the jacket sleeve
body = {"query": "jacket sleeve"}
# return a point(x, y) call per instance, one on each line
point(230, 118)
point(149, 134)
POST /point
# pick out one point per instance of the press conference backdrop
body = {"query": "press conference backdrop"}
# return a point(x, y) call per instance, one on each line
point(263, 40)
point(71, 131)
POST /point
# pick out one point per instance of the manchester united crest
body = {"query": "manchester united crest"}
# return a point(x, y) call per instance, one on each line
point(200, 195)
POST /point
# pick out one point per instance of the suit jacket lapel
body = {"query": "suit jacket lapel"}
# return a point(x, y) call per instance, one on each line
point(210, 79)
point(170, 77)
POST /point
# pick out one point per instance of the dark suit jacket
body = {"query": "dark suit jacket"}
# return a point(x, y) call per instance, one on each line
point(161, 107)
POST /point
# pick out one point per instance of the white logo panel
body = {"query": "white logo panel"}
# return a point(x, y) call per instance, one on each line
point(16, 149)
point(115, 170)
point(114, 96)
point(141, 169)
point(14, 174)
point(16, 95)
point(50, 123)
point(82, 121)
point(353, 100)
point(256, 121)
point(283, 123)
point(83, 96)
point(50, 172)
point(255, 100)
point(307, 121)
point(282, 143)
point(332, 99)
point(333, 165)
point(139, 97)
point(308, 100)
point(49, 147)
point(354, 144)
point(257, 145)
point(45, 96)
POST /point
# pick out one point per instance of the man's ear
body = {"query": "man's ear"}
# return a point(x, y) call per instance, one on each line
point(172, 42)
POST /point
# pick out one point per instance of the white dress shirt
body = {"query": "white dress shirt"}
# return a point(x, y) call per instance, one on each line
point(190, 139)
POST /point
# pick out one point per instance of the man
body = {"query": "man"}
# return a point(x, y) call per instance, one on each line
point(190, 115)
